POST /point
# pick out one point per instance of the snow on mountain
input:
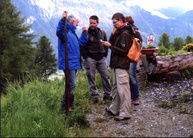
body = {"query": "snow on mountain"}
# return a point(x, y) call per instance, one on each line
point(45, 14)
point(30, 20)
point(47, 5)
point(172, 12)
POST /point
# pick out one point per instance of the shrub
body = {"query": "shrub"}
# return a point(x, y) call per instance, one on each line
point(188, 47)
point(171, 51)
point(162, 51)
point(77, 117)
point(150, 47)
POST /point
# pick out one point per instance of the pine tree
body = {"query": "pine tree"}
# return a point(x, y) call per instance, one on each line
point(46, 62)
point(178, 43)
point(164, 40)
point(16, 49)
point(188, 39)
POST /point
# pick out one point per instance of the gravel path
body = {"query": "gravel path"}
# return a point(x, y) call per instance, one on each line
point(149, 119)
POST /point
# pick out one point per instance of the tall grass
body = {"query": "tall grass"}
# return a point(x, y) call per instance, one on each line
point(33, 110)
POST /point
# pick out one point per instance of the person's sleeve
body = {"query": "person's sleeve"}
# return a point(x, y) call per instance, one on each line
point(83, 39)
point(83, 52)
point(60, 30)
point(105, 47)
point(123, 48)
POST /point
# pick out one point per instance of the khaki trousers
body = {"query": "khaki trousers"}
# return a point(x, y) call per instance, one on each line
point(121, 93)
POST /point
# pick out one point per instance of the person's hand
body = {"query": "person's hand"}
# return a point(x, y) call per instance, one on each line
point(114, 30)
point(106, 43)
point(85, 30)
point(65, 14)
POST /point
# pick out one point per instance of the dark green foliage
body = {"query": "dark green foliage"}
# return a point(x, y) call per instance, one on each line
point(187, 72)
point(162, 51)
point(167, 48)
point(77, 117)
point(188, 39)
point(164, 40)
point(178, 43)
point(16, 40)
point(167, 104)
point(185, 98)
point(174, 102)
point(33, 110)
point(150, 47)
point(46, 62)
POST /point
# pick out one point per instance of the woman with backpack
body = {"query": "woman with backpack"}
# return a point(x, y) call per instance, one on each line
point(133, 66)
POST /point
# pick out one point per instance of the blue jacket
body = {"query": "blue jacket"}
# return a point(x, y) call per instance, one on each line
point(73, 46)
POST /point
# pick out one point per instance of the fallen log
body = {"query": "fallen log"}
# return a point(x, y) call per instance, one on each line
point(173, 63)
point(162, 65)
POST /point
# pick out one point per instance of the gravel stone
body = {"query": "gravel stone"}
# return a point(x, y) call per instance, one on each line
point(149, 119)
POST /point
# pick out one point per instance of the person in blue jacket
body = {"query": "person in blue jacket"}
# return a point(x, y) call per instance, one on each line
point(73, 43)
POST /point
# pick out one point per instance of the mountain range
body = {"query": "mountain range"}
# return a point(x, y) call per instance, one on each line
point(45, 14)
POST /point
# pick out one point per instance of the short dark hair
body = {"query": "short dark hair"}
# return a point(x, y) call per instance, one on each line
point(118, 16)
point(94, 17)
point(130, 20)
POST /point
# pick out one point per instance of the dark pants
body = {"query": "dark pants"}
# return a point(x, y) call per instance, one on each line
point(91, 66)
point(133, 81)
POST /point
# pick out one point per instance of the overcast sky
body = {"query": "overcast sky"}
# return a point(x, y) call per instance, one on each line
point(157, 4)
point(149, 5)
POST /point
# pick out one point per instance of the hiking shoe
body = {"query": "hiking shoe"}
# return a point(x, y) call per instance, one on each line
point(95, 100)
point(120, 118)
point(109, 111)
point(105, 98)
point(73, 106)
point(136, 102)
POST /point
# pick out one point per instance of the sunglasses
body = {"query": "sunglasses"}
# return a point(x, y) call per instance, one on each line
point(115, 22)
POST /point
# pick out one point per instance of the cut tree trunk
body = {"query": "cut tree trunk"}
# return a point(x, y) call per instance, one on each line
point(173, 63)
point(164, 64)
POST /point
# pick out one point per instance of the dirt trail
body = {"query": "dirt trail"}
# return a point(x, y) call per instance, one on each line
point(149, 119)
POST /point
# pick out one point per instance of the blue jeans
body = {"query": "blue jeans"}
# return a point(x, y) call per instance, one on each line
point(133, 81)
point(72, 75)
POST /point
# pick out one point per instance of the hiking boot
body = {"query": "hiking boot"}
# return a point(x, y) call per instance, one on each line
point(73, 106)
point(105, 98)
point(109, 111)
point(120, 118)
point(95, 100)
point(136, 102)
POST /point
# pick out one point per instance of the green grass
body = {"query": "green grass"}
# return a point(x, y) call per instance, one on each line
point(173, 103)
point(33, 110)
point(167, 104)
point(187, 72)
